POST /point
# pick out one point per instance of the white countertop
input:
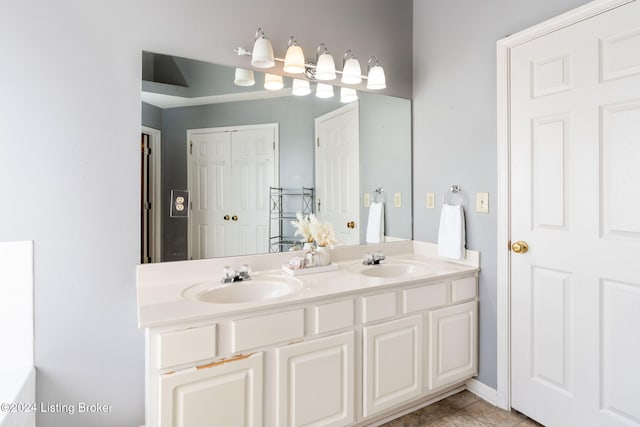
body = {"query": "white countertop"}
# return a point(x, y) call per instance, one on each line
point(161, 286)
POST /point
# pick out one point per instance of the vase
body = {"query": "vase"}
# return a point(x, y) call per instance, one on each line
point(324, 255)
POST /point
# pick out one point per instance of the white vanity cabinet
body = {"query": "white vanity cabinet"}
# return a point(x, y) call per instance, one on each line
point(225, 393)
point(453, 344)
point(315, 382)
point(348, 359)
point(392, 364)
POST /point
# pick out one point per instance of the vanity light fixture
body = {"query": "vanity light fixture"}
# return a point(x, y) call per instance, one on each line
point(301, 87)
point(375, 75)
point(351, 72)
point(262, 56)
point(325, 66)
point(273, 81)
point(347, 95)
point(322, 70)
point(294, 58)
point(324, 90)
point(244, 77)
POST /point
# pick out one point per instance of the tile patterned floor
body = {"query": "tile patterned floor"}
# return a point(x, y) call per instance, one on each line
point(464, 409)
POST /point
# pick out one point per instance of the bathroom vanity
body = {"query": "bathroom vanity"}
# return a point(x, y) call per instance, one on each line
point(352, 346)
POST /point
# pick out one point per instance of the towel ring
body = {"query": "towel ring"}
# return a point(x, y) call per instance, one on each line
point(454, 196)
point(378, 195)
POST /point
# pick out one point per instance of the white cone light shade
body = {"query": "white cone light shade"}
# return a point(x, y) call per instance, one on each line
point(273, 82)
point(324, 91)
point(351, 73)
point(326, 67)
point(294, 60)
point(262, 56)
point(376, 78)
point(348, 94)
point(244, 77)
point(301, 87)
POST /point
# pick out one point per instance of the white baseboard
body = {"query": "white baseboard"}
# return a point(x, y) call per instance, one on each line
point(483, 391)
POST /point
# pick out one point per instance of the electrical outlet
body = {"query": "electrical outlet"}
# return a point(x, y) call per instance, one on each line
point(367, 200)
point(397, 200)
point(431, 200)
point(482, 202)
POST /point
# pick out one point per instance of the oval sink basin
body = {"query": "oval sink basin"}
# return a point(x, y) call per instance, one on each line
point(257, 289)
point(394, 269)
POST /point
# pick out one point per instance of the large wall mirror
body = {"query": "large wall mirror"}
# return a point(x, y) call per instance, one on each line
point(250, 158)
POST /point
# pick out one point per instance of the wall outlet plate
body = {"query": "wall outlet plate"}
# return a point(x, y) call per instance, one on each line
point(179, 204)
point(397, 200)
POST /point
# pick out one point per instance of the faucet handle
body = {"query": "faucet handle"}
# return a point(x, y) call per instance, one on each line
point(244, 271)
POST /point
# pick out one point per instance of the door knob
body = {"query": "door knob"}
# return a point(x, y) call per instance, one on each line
point(351, 224)
point(226, 217)
point(235, 217)
point(520, 247)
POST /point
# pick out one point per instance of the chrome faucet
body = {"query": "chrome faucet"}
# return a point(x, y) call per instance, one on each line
point(232, 275)
point(373, 259)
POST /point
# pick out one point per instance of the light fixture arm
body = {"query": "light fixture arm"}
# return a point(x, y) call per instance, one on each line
point(347, 55)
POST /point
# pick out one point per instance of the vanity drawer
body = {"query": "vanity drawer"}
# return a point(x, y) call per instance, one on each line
point(377, 307)
point(423, 297)
point(333, 316)
point(261, 331)
point(462, 289)
point(187, 346)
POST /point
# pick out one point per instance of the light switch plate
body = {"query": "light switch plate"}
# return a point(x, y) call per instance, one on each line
point(431, 200)
point(482, 202)
point(397, 200)
point(367, 200)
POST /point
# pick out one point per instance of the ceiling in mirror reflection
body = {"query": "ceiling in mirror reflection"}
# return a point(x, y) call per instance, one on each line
point(180, 94)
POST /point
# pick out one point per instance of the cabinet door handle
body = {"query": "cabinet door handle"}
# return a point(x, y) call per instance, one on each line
point(234, 218)
point(226, 217)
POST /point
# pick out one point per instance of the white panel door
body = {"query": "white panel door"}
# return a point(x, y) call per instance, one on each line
point(227, 394)
point(230, 171)
point(211, 187)
point(253, 154)
point(315, 382)
point(338, 172)
point(453, 344)
point(392, 364)
point(575, 199)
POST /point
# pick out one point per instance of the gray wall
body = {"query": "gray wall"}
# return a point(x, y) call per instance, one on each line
point(151, 116)
point(385, 149)
point(454, 116)
point(72, 114)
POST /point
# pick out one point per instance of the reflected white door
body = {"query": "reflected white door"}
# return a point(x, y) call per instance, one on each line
point(230, 171)
point(211, 189)
point(575, 199)
point(253, 171)
point(338, 172)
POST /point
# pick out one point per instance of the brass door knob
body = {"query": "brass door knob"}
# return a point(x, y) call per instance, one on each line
point(520, 247)
point(226, 217)
point(235, 217)
point(351, 224)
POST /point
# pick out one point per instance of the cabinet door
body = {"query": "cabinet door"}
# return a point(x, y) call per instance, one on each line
point(227, 393)
point(453, 344)
point(392, 371)
point(315, 382)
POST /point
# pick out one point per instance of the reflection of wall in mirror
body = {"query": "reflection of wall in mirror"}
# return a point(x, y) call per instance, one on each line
point(385, 141)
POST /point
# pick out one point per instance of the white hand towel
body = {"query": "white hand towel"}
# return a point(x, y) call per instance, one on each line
point(375, 226)
point(451, 234)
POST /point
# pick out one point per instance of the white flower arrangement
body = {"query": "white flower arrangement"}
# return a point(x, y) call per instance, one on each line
point(313, 230)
